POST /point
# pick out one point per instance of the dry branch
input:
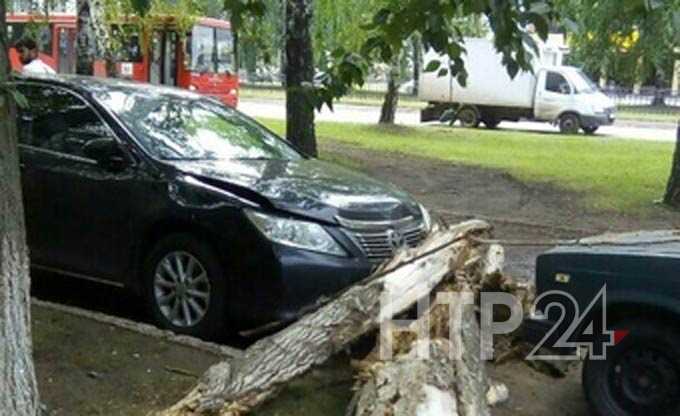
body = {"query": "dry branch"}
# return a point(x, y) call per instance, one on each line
point(232, 388)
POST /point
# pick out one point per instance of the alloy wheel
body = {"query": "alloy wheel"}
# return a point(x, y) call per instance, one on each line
point(181, 289)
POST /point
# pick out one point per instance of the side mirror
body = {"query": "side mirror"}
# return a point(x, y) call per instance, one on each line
point(106, 152)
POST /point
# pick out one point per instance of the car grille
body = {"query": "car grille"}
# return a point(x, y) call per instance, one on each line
point(377, 242)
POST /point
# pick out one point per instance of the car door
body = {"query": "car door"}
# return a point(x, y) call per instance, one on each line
point(79, 211)
point(553, 95)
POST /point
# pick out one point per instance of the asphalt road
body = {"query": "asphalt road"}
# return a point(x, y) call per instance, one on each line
point(345, 113)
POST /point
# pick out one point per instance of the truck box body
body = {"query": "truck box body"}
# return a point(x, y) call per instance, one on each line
point(488, 82)
point(553, 93)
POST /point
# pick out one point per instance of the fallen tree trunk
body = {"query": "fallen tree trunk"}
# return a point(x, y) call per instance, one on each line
point(452, 379)
point(232, 388)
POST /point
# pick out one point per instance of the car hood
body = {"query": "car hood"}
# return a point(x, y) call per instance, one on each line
point(307, 187)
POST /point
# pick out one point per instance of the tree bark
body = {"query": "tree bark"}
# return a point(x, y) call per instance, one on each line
point(85, 46)
point(452, 381)
point(299, 74)
point(391, 101)
point(93, 37)
point(672, 197)
point(230, 388)
point(417, 61)
point(18, 387)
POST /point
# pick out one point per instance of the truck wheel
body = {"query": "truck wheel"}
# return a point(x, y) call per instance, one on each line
point(491, 122)
point(640, 375)
point(569, 124)
point(590, 129)
point(469, 117)
point(186, 287)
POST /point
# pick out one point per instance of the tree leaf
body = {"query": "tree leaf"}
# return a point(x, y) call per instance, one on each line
point(433, 66)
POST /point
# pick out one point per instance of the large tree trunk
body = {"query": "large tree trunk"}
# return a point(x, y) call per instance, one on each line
point(299, 71)
point(239, 386)
point(93, 37)
point(672, 197)
point(417, 61)
point(389, 107)
point(85, 45)
point(18, 388)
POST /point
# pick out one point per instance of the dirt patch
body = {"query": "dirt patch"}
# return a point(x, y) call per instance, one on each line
point(461, 191)
point(88, 368)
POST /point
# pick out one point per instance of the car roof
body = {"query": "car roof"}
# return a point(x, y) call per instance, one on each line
point(88, 84)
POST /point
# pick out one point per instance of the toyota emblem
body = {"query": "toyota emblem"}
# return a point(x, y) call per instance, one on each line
point(395, 240)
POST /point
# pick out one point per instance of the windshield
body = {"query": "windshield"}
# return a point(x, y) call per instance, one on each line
point(582, 83)
point(175, 127)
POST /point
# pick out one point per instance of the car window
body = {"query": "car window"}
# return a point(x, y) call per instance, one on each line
point(58, 121)
point(555, 82)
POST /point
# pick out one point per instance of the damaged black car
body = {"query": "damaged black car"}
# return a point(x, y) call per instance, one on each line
point(217, 222)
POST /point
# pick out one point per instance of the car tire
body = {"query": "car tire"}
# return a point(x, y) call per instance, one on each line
point(640, 375)
point(569, 123)
point(469, 117)
point(590, 129)
point(191, 300)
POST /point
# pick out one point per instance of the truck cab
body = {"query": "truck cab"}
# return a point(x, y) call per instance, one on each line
point(567, 97)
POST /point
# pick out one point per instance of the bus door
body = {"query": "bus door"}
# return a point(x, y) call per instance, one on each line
point(66, 40)
point(163, 58)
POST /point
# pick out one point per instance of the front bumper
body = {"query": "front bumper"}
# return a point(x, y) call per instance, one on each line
point(283, 282)
point(600, 119)
point(535, 331)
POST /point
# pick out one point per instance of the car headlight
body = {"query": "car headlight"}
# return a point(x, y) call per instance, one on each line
point(295, 233)
point(427, 219)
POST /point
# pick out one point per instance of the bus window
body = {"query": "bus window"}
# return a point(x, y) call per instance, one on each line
point(42, 33)
point(225, 51)
point(201, 49)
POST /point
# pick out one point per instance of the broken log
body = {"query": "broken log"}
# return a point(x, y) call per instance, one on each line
point(236, 387)
point(450, 381)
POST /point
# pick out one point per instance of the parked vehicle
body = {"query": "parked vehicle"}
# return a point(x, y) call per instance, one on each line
point(218, 223)
point(640, 374)
point(201, 60)
point(561, 95)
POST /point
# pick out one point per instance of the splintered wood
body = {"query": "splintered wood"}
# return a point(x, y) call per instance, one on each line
point(451, 380)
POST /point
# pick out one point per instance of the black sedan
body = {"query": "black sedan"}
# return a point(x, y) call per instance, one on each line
point(216, 221)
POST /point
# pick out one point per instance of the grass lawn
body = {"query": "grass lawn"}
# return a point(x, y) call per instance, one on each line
point(623, 175)
point(663, 115)
point(357, 98)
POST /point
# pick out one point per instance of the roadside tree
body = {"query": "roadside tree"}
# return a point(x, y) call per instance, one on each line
point(18, 387)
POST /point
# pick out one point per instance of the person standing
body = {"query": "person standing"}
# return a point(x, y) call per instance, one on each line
point(28, 54)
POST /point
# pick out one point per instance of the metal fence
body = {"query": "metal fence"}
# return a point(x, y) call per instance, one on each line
point(644, 97)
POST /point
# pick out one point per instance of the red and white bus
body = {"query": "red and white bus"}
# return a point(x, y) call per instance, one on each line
point(201, 61)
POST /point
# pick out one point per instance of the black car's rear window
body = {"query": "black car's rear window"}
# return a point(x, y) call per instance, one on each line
point(176, 127)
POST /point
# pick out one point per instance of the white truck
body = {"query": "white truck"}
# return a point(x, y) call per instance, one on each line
point(561, 95)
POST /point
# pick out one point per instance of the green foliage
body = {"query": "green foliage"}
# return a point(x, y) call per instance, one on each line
point(10, 91)
point(129, 21)
point(360, 34)
point(628, 40)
